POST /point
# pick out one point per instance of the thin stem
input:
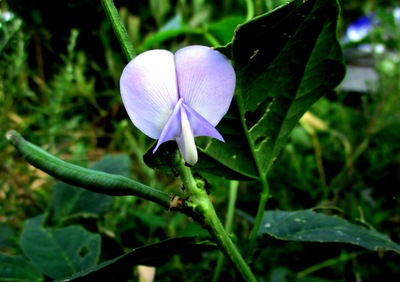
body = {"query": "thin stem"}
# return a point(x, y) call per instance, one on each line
point(203, 211)
point(327, 263)
point(119, 29)
point(263, 182)
point(257, 222)
point(233, 189)
point(250, 10)
point(92, 180)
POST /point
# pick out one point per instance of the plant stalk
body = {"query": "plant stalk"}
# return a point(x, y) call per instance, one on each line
point(202, 210)
point(119, 29)
point(258, 220)
point(233, 189)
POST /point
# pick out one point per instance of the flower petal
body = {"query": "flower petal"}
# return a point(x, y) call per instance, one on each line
point(149, 90)
point(206, 81)
point(186, 142)
point(178, 128)
point(200, 126)
point(173, 127)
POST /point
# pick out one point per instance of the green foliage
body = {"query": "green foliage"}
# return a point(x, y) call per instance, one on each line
point(149, 255)
point(18, 268)
point(344, 156)
point(277, 83)
point(70, 201)
point(60, 252)
point(309, 226)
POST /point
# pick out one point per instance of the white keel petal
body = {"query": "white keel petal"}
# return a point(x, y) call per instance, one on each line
point(186, 142)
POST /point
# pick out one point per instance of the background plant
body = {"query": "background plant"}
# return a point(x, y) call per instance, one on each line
point(69, 105)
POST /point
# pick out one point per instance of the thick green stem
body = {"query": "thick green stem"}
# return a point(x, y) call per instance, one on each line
point(119, 29)
point(226, 245)
point(204, 212)
point(95, 181)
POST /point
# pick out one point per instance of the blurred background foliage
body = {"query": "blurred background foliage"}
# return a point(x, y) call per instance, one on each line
point(59, 70)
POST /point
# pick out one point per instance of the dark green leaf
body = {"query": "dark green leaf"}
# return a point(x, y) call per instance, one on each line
point(309, 226)
point(231, 159)
point(285, 61)
point(143, 255)
point(8, 238)
point(59, 252)
point(18, 268)
point(69, 200)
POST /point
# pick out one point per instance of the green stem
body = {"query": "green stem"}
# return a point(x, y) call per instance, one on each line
point(95, 181)
point(263, 182)
point(250, 10)
point(327, 263)
point(226, 245)
point(260, 213)
point(202, 210)
point(119, 29)
point(233, 189)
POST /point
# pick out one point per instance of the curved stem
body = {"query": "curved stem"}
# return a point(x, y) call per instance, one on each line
point(119, 29)
point(202, 210)
point(250, 10)
point(92, 180)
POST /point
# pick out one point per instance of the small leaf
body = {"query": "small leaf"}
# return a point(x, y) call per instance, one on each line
point(309, 226)
point(147, 255)
point(69, 200)
point(18, 268)
point(59, 252)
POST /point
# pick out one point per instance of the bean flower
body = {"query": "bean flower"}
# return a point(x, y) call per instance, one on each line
point(178, 96)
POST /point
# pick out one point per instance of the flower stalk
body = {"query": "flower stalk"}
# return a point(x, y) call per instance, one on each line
point(202, 210)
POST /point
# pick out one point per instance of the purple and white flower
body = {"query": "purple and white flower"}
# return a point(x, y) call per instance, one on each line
point(178, 96)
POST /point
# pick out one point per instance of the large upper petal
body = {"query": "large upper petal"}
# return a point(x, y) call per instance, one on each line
point(149, 90)
point(206, 81)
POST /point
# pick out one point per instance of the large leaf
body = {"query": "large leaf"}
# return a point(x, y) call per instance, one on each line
point(309, 226)
point(18, 268)
point(285, 61)
point(70, 200)
point(59, 252)
point(142, 255)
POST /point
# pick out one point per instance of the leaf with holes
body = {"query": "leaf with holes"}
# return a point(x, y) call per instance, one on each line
point(285, 61)
point(59, 252)
point(309, 226)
